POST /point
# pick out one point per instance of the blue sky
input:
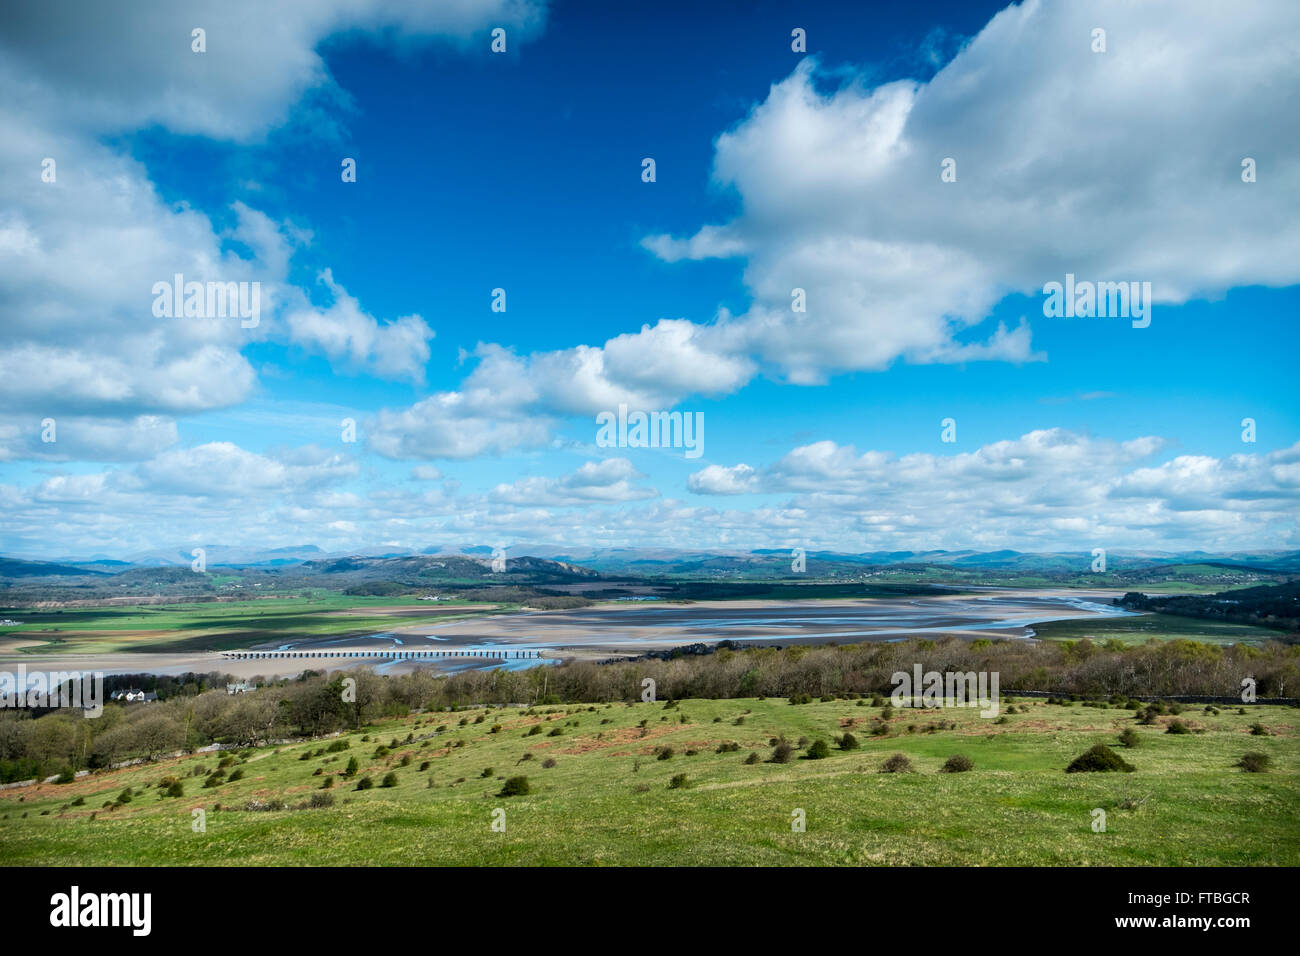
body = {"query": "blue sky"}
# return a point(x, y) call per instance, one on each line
point(774, 169)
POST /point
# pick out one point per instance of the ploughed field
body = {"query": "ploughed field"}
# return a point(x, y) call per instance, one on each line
point(608, 797)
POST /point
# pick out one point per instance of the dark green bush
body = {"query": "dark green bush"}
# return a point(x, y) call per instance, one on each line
point(1255, 762)
point(898, 763)
point(818, 750)
point(515, 787)
point(1099, 759)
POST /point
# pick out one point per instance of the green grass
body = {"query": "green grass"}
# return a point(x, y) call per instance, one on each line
point(607, 801)
point(1164, 627)
point(209, 626)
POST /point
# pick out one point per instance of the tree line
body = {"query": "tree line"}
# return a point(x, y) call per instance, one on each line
point(191, 716)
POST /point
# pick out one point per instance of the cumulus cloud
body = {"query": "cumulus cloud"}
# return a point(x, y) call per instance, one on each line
point(607, 481)
point(840, 190)
point(86, 439)
point(1047, 490)
point(722, 480)
point(225, 469)
point(396, 349)
point(453, 425)
point(81, 252)
point(510, 401)
point(260, 60)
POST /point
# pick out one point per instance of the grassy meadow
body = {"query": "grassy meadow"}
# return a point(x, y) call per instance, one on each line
point(608, 798)
point(1163, 627)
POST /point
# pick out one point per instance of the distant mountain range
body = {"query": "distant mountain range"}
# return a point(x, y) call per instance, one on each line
point(471, 562)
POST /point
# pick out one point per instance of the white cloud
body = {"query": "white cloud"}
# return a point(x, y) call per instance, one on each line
point(609, 481)
point(509, 402)
point(453, 425)
point(1049, 490)
point(344, 332)
point(1067, 161)
point(225, 469)
point(86, 439)
point(79, 256)
point(722, 480)
point(261, 59)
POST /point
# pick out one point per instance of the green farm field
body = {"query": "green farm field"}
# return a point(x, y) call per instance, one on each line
point(207, 626)
point(1164, 627)
point(607, 799)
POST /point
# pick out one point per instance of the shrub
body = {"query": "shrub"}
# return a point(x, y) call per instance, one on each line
point(425, 765)
point(352, 768)
point(175, 789)
point(753, 757)
point(666, 753)
point(487, 772)
point(365, 783)
point(319, 801)
point(327, 783)
point(957, 763)
point(1130, 737)
point(390, 779)
point(898, 763)
point(275, 803)
point(848, 742)
point(782, 752)
point(1255, 762)
point(1177, 727)
point(1099, 759)
point(679, 782)
point(548, 763)
point(1257, 730)
point(515, 787)
point(337, 746)
point(819, 750)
